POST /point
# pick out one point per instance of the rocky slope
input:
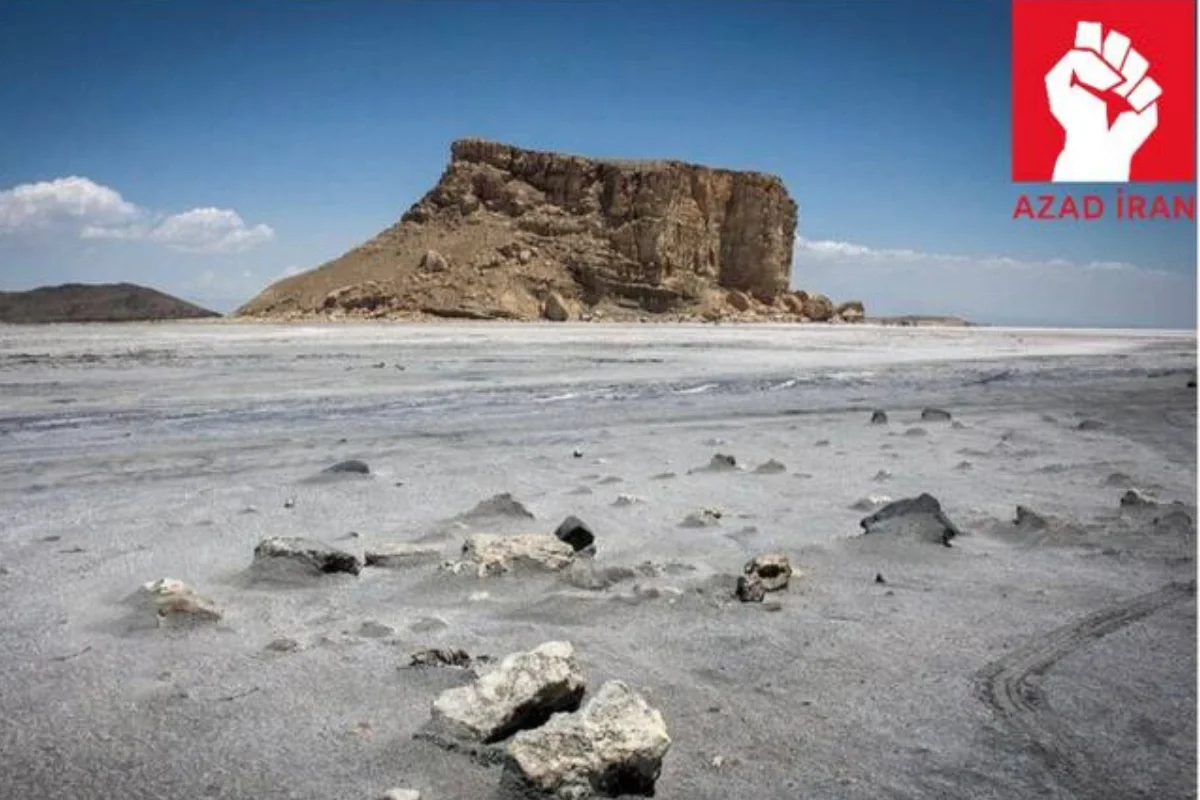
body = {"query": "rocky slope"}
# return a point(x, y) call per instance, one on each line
point(522, 234)
point(113, 302)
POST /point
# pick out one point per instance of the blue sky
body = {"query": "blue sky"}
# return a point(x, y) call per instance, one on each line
point(221, 144)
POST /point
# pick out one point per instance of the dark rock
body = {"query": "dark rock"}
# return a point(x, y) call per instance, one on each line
point(1133, 499)
point(315, 556)
point(1029, 519)
point(935, 415)
point(750, 589)
point(721, 461)
point(879, 417)
point(922, 514)
point(578, 453)
point(1090, 425)
point(351, 467)
point(576, 533)
point(879, 578)
point(440, 657)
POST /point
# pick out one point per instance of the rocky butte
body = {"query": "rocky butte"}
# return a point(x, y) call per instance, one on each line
point(522, 234)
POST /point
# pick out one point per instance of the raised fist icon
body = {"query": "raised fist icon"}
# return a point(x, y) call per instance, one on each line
point(1101, 96)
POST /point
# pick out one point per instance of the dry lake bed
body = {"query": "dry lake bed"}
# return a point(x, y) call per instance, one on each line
point(1054, 656)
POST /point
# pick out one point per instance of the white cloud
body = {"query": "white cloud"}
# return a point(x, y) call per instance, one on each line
point(997, 289)
point(98, 212)
point(65, 200)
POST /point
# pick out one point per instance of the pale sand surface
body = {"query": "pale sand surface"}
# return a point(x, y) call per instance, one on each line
point(1010, 665)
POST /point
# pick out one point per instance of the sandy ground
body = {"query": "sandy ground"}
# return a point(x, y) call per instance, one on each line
point(1018, 663)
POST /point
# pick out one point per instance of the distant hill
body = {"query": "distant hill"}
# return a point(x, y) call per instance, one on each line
point(111, 302)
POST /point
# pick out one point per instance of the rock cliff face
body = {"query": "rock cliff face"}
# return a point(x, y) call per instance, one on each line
point(512, 233)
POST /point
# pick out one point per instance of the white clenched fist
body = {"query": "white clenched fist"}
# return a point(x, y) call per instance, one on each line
point(1095, 152)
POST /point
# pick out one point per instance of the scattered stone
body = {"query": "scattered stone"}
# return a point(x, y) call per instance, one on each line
point(579, 490)
point(773, 571)
point(1090, 425)
point(922, 515)
point(935, 415)
point(351, 467)
point(375, 630)
point(440, 657)
point(500, 505)
point(882, 475)
point(576, 533)
point(401, 554)
point(821, 443)
point(879, 578)
point(1135, 498)
point(663, 476)
point(577, 453)
point(722, 462)
point(916, 432)
point(1029, 519)
point(521, 692)
point(175, 601)
point(704, 518)
point(1176, 520)
point(289, 503)
point(879, 417)
point(770, 467)
point(284, 644)
point(963, 465)
point(614, 747)
point(870, 502)
point(609, 480)
point(1191, 384)
point(493, 554)
point(956, 425)
point(249, 510)
point(627, 500)
point(316, 556)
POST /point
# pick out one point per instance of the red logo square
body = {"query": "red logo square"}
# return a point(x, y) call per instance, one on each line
point(1104, 91)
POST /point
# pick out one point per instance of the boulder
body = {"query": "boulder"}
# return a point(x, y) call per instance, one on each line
point(494, 554)
point(520, 692)
point(935, 415)
point(750, 589)
point(850, 311)
point(879, 417)
point(614, 747)
point(173, 601)
point(433, 261)
point(402, 554)
point(1135, 498)
point(818, 308)
point(309, 554)
point(440, 657)
point(921, 515)
point(555, 308)
point(773, 571)
point(793, 304)
point(738, 301)
point(576, 533)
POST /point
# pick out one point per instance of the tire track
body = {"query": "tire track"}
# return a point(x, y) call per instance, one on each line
point(1011, 687)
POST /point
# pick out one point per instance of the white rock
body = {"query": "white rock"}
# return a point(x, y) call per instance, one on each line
point(521, 691)
point(400, 794)
point(614, 746)
point(174, 600)
point(492, 553)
